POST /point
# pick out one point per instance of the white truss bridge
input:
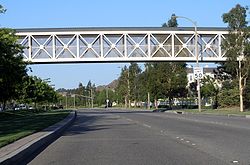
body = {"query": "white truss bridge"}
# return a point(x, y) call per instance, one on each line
point(138, 44)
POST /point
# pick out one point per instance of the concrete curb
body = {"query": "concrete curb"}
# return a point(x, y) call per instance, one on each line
point(228, 115)
point(23, 148)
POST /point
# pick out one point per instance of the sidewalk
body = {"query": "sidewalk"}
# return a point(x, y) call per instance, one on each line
point(21, 149)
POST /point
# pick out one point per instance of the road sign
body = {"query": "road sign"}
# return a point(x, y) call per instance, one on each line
point(198, 73)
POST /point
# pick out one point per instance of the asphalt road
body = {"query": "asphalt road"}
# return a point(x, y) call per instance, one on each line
point(119, 137)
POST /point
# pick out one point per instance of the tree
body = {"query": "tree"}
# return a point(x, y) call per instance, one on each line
point(90, 91)
point(142, 86)
point(38, 91)
point(123, 87)
point(172, 22)
point(210, 89)
point(100, 98)
point(175, 84)
point(170, 78)
point(12, 66)
point(80, 92)
point(166, 79)
point(237, 47)
point(153, 82)
point(104, 94)
point(134, 71)
point(229, 94)
point(2, 10)
point(27, 93)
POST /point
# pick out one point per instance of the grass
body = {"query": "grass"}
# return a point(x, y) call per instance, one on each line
point(18, 124)
point(220, 111)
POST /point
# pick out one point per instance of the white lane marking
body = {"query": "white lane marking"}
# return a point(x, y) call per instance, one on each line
point(193, 144)
point(129, 119)
point(188, 141)
point(147, 125)
point(177, 137)
point(182, 139)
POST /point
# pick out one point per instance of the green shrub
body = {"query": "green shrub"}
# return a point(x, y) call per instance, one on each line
point(229, 97)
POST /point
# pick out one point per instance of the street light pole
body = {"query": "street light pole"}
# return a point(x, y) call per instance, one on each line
point(196, 55)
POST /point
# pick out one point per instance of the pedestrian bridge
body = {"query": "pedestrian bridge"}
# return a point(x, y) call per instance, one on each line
point(128, 44)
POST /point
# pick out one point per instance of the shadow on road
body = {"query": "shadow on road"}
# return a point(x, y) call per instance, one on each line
point(83, 124)
point(113, 111)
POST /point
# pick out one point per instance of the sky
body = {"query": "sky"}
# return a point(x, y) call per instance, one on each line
point(108, 13)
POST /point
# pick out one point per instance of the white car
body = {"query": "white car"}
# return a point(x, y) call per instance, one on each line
point(20, 107)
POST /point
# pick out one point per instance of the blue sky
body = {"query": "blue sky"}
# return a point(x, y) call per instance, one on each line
point(109, 13)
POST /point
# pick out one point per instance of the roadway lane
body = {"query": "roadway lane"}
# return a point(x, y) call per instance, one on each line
point(226, 138)
point(122, 137)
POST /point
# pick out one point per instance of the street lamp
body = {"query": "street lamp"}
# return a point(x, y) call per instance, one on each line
point(196, 55)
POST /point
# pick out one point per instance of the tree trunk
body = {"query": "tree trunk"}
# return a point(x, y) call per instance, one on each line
point(216, 101)
point(126, 102)
point(241, 88)
point(241, 95)
point(148, 100)
point(156, 105)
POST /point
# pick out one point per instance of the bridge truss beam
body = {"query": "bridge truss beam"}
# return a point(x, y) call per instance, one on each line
point(121, 44)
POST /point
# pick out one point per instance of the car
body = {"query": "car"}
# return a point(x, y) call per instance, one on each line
point(22, 106)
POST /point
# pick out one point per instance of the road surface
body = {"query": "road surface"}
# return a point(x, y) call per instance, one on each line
point(120, 137)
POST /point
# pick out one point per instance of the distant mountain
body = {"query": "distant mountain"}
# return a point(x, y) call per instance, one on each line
point(111, 85)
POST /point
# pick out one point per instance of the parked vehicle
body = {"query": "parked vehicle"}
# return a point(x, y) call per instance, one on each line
point(20, 107)
point(23, 106)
